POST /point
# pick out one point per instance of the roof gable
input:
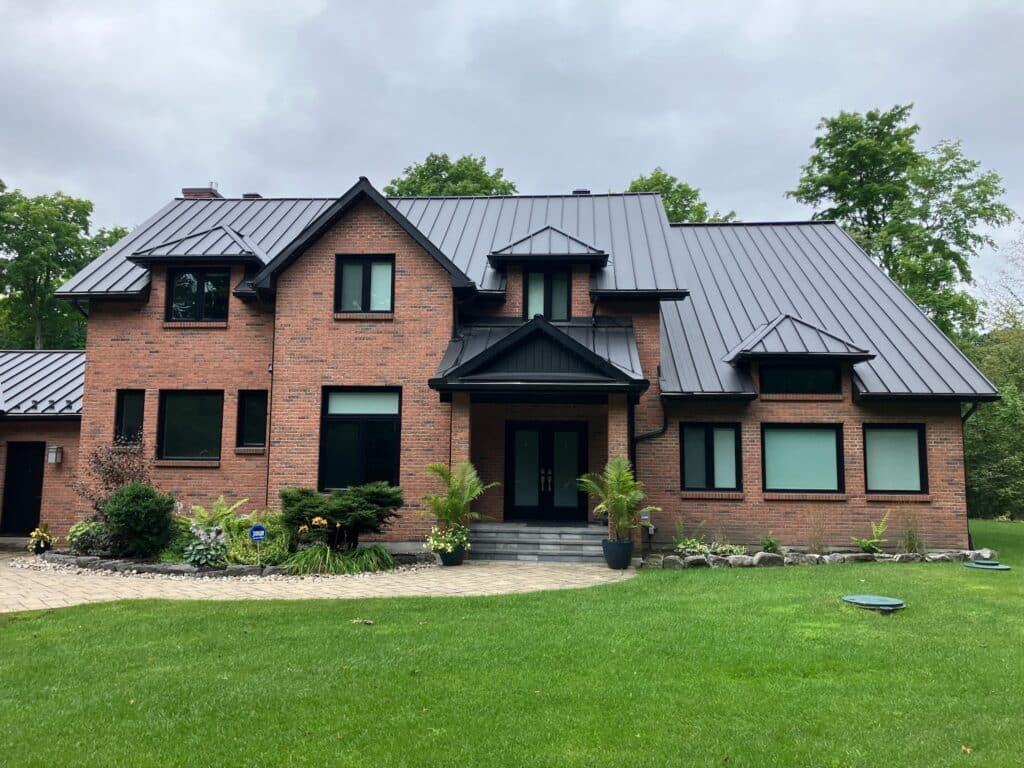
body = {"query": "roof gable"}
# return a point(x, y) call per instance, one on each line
point(789, 336)
point(548, 244)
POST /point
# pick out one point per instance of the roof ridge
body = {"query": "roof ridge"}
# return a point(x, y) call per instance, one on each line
point(761, 223)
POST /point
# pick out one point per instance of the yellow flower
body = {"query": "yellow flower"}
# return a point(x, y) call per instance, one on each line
point(303, 528)
point(318, 521)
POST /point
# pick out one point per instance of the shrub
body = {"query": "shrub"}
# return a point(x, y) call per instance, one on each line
point(911, 540)
point(619, 495)
point(109, 467)
point(181, 537)
point(874, 542)
point(209, 547)
point(348, 514)
point(273, 550)
point(138, 520)
point(218, 514)
point(769, 543)
point(728, 549)
point(321, 559)
point(689, 545)
point(89, 537)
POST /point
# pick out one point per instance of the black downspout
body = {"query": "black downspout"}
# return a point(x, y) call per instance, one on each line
point(270, 394)
point(963, 422)
point(82, 312)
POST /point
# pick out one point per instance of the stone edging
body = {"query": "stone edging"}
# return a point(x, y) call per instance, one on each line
point(662, 560)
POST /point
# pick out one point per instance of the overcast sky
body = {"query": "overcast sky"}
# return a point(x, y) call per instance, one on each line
point(124, 103)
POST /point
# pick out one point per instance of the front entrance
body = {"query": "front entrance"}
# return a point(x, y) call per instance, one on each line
point(23, 488)
point(543, 459)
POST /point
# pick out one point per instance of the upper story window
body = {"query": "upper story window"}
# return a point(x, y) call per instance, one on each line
point(128, 414)
point(198, 294)
point(894, 458)
point(548, 294)
point(801, 379)
point(364, 284)
point(710, 457)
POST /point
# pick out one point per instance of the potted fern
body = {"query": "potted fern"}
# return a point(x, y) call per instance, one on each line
point(461, 487)
point(619, 496)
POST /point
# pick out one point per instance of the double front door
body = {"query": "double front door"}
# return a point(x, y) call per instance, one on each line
point(542, 462)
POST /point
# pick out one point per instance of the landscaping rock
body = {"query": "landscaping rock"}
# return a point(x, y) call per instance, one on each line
point(769, 559)
point(884, 557)
point(653, 560)
point(859, 557)
point(795, 558)
point(833, 558)
point(695, 561)
point(58, 558)
point(740, 561)
point(275, 570)
point(718, 561)
point(938, 557)
point(672, 561)
point(213, 573)
point(86, 561)
point(908, 557)
point(174, 569)
point(812, 558)
point(985, 554)
point(243, 570)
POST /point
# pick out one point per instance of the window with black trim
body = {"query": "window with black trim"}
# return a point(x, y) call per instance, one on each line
point(189, 424)
point(548, 294)
point(364, 284)
point(895, 458)
point(802, 458)
point(252, 418)
point(359, 436)
point(709, 456)
point(197, 295)
point(800, 379)
point(130, 408)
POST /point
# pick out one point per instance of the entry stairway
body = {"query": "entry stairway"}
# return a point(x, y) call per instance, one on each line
point(537, 543)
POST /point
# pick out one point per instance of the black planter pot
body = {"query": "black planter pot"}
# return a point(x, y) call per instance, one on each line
point(38, 547)
point(618, 554)
point(455, 557)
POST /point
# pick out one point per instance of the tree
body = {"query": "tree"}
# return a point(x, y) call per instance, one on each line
point(438, 175)
point(43, 241)
point(921, 214)
point(682, 202)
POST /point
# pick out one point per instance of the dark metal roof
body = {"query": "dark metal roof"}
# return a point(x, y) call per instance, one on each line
point(742, 276)
point(548, 244)
point(788, 336)
point(41, 383)
point(220, 242)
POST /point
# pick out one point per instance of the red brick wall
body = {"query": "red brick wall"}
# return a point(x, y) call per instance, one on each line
point(313, 350)
point(129, 347)
point(513, 304)
point(61, 507)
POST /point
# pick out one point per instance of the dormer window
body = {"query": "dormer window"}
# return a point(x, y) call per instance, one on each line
point(548, 294)
point(198, 295)
point(801, 379)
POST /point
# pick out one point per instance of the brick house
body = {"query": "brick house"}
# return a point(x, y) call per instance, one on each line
point(761, 377)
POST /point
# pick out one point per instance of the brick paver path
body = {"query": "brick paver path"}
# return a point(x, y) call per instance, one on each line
point(24, 589)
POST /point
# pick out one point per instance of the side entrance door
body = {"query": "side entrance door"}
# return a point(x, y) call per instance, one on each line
point(23, 488)
point(542, 462)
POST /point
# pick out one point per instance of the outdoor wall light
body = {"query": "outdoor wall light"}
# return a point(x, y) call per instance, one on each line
point(54, 454)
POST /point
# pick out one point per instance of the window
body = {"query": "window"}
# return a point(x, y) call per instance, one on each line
point(364, 284)
point(710, 457)
point(547, 294)
point(128, 414)
point(190, 424)
point(359, 437)
point(895, 458)
point(197, 294)
point(802, 457)
point(252, 418)
point(800, 379)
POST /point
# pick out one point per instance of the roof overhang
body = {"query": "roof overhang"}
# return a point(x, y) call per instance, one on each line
point(644, 294)
point(548, 245)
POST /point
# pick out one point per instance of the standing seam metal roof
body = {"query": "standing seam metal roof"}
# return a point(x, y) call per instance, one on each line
point(41, 383)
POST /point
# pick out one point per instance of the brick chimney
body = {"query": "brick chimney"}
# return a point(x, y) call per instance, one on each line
point(202, 193)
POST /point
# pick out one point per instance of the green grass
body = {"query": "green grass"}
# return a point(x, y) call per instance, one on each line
point(672, 668)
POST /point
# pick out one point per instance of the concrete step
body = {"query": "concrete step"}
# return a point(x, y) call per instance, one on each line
point(527, 542)
point(14, 544)
point(535, 546)
point(538, 558)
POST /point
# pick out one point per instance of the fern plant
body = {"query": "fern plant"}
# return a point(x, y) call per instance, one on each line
point(619, 495)
point(462, 486)
point(218, 513)
point(874, 542)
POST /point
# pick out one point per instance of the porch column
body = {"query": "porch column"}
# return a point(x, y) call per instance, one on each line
point(460, 428)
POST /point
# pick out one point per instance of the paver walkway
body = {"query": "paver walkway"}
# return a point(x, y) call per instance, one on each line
point(23, 589)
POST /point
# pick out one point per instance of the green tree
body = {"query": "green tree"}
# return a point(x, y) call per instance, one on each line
point(683, 203)
point(43, 241)
point(921, 214)
point(438, 175)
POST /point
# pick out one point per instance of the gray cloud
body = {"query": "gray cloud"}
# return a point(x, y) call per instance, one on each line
point(124, 105)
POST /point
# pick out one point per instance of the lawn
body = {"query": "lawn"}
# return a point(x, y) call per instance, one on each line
point(672, 668)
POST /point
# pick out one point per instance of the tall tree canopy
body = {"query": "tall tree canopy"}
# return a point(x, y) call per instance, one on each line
point(438, 175)
point(922, 214)
point(43, 241)
point(682, 202)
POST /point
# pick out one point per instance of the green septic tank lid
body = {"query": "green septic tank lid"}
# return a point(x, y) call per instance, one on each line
point(875, 602)
point(987, 565)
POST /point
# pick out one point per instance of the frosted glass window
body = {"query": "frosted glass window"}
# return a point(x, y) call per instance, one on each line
point(534, 294)
point(378, 403)
point(351, 288)
point(709, 458)
point(801, 459)
point(380, 286)
point(560, 282)
point(725, 457)
point(893, 459)
point(694, 458)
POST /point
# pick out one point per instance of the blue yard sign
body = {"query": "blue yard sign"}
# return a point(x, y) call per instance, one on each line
point(257, 533)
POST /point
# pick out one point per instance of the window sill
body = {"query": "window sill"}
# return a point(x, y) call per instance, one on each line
point(804, 398)
point(250, 450)
point(711, 495)
point(364, 316)
point(195, 324)
point(783, 496)
point(187, 463)
point(898, 498)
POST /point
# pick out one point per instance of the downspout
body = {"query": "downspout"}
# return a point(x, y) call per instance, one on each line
point(82, 312)
point(963, 422)
point(270, 397)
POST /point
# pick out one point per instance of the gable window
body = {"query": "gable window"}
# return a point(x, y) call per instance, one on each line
point(805, 379)
point(128, 414)
point(802, 457)
point(547, 294)
point(364, 284)
point(189, 424)
point(359, 436)
point(198, 294)
point(895, 458)
point(710, 457)
point(252, 418)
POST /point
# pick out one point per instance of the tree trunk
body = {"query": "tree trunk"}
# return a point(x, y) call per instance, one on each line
point(38, 323)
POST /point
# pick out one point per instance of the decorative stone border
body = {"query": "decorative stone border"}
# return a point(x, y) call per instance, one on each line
point(130, 567)
point(763, 559)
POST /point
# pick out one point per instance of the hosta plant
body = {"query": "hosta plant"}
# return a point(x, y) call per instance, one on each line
point(209, 549)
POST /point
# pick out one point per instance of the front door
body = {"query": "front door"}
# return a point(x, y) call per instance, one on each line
point(543, 461)
point(23, 488)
